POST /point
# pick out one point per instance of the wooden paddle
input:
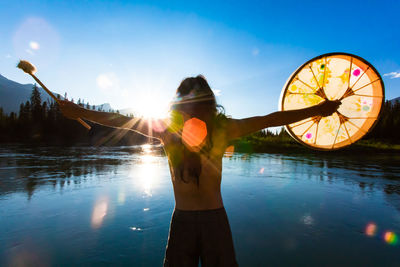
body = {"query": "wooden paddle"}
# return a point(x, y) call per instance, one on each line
point(29, 68)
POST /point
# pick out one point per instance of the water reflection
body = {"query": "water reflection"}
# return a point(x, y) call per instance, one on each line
point(307, 219)
point(99, 206)
point(145, 175)
point(27, 169)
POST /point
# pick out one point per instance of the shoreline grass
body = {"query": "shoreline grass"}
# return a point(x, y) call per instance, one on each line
point(277, 144)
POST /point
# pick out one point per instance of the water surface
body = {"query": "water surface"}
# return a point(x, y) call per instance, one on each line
point(112, 206)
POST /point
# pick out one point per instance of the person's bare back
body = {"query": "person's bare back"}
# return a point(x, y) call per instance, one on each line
point(207, 193)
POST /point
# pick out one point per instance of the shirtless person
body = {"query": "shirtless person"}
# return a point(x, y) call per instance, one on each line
point(195, 138)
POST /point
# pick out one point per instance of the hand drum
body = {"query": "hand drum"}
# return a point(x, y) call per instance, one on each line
point(332, 76)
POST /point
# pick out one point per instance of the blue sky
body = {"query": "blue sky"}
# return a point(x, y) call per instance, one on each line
point(134, 54)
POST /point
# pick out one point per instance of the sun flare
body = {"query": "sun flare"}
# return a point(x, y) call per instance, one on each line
point(153, 107)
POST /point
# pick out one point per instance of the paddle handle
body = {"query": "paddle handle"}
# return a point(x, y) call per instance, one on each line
point(87, 126)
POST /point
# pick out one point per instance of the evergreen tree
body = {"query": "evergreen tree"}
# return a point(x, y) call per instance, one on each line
point(36, 104)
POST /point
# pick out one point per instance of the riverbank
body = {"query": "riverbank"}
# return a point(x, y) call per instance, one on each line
point(285, 144)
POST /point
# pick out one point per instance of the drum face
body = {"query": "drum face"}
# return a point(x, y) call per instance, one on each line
point(346, 77)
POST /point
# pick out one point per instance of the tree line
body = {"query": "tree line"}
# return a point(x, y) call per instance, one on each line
point(42, 122)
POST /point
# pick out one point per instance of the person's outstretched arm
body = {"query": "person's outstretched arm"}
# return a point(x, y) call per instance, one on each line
point(148, 127)
point(238, 128)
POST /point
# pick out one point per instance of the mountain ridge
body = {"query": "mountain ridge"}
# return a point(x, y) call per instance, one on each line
point(13, 94)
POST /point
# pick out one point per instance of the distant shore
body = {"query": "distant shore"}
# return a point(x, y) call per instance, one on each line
point(289, 145)
point(261, 145)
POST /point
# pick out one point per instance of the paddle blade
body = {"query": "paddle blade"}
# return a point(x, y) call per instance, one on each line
point(26, 66)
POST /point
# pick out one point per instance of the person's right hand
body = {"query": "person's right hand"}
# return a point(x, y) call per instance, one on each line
point(328, 107)
point(70, 110)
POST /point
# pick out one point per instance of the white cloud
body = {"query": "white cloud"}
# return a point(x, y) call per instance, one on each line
point(8, 56)
point(217, 92)
point(393, 74)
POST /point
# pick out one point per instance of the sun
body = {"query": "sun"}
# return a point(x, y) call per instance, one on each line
point(153, 107)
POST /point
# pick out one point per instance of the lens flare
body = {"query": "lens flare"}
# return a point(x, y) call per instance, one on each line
point(99, 212)
point(34, 45)
point(390, 238)
point(35, 36)
point(121, 198)
point(370, 229)
point(175, 123)
point(158, 125)
point(194, 133)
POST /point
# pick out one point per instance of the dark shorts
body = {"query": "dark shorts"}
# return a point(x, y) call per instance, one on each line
point(204, 235)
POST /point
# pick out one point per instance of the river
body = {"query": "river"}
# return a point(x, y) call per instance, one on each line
point(95, 206)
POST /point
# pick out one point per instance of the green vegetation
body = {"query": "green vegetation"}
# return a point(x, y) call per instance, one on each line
point(284, 143)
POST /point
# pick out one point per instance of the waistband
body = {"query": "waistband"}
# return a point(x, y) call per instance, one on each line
point(199, 215)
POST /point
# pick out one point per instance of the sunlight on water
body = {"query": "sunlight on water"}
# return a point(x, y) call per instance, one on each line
point(145, 175)
point(307, 219)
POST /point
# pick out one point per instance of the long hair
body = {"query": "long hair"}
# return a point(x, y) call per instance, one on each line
point(195, 98)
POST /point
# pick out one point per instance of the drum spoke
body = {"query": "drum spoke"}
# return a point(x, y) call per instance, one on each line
point(316, 133)
point(301, 136)
point(377, 96)
point(348, 135)
point(301, 123)
point(357, 127)
point(305, 83)
point(351, 65)
point(357, 118)
point(337, 133)
point(300, 93)
point(316, 80)
point(365, 85)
